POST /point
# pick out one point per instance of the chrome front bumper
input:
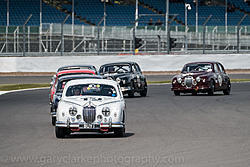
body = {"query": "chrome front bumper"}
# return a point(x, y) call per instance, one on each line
point(94, 125)
point(124, 89)
point(53, 114)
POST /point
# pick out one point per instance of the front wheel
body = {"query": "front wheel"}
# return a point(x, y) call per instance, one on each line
point(211, 88)
point(131, 94)
point(228, 89)
point(177, 93)
point(53, 121)
point(60, 132)
point(143, 93)
point(120, 132)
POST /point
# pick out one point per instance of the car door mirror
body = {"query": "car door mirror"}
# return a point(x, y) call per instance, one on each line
point(53, 77)
point(59, 96)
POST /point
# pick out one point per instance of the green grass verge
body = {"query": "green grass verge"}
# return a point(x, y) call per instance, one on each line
point(159, 82)
point(240, 80)
point(8, 87)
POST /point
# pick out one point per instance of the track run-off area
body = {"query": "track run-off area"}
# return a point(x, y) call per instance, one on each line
point(162, 130)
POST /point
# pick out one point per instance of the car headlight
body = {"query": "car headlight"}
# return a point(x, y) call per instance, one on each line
point(174, 81)
point(198, 79)
point(72, 111)
point(106, 111)
point(99, 118)
point(78, 117)
point(194, 82)
point(179, 80)
point(118, 80)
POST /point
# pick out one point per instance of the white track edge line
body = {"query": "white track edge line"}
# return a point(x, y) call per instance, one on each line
point(20, 90)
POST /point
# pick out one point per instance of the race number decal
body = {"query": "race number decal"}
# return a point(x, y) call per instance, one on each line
point(220, 80)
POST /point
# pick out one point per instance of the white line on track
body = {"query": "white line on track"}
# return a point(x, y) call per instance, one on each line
point(20, 90)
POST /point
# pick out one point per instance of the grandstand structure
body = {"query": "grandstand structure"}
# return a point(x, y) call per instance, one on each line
point(111, 26)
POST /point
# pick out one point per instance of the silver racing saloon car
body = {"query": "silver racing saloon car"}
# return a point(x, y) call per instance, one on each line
point(128, 75)
point(91, 105)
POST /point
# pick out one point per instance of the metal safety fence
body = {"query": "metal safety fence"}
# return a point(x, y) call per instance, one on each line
point(65, 38)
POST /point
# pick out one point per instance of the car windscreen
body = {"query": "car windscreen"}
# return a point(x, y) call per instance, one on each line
point(197, 67)
point(60, 86)
point(91, 90)
point(116, 69)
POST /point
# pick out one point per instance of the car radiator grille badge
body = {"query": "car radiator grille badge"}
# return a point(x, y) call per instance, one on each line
point(89, 114)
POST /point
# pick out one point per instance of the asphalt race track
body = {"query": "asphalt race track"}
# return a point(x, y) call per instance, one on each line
point(162, 130)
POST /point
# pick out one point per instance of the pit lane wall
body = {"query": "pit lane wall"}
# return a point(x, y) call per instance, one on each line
point(147, 62)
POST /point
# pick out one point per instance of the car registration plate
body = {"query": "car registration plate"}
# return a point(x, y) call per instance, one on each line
point(88, 126)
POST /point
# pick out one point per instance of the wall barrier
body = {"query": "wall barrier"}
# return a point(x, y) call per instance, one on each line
point(147, 62)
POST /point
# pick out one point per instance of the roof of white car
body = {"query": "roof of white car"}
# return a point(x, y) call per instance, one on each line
point(92, 81)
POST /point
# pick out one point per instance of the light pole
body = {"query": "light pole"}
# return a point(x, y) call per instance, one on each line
point(187, 7)
point(226, 15)
point(136, 12)
point(40, 28)
point(8, 12)
point(167, 25)
point(196, 15)
point(24, 34)
point(8, 22)
point(62, 35)
point(73, 24)
point(104, 12)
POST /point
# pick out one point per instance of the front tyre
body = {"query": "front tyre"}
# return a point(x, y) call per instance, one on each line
point(131, 93)
point(177, 93)
point(143, 93)
point(60, 132)
point(228, 89)
point(120, 132)
point(53, 121)
point(211, 88)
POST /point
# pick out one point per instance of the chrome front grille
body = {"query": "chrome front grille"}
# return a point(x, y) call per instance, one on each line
point(188, 81)
point(89, 114)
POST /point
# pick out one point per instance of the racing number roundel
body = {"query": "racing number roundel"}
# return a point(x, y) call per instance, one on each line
point(220, 80)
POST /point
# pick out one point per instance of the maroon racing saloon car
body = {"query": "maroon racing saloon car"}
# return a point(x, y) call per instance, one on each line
point(204, 77)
